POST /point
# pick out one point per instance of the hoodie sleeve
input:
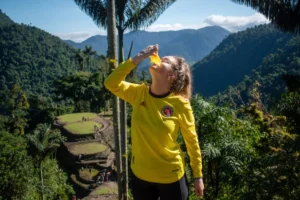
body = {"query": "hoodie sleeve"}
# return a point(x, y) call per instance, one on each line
point(187, 126)
point(116, 84)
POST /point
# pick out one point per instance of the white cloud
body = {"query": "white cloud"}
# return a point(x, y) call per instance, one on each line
point(235, 24)
point(78, 36)
point(165, 27)
point(171, 27)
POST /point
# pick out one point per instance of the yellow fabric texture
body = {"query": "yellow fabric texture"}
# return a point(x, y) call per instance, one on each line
point(156, 156)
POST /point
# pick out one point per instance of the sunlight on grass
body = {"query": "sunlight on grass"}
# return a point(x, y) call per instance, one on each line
point(82, 127)
point(88, 173)
point(88, 148)
point(106, 190)
point(74, 178)
point(74, 117)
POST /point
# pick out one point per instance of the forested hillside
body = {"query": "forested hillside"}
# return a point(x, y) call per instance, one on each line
point(271, 76)
point(190, 44)
point(249, 151)
point(262, 48)
point(32, 57)
point(4, 19)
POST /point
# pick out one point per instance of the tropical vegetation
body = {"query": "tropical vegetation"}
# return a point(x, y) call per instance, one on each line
point(248, 133)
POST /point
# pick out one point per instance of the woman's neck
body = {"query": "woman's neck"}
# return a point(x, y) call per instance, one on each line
point(159, 87)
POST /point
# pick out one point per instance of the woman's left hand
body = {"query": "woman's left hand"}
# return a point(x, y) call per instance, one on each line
point(199, 187)
point(145, 53)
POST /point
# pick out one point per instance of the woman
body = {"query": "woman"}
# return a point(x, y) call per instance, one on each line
point(159, 111)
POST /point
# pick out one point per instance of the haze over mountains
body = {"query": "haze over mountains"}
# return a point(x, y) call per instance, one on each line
point(191, 44)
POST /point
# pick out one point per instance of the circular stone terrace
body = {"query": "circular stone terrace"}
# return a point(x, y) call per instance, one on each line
point(80, 125)
point(107, 191)
point(89, 143)
point(75, 117)
point(87, 148)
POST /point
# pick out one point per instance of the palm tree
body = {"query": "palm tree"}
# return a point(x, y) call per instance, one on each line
point(18, 106)
point(132, 15)
point(284, 14)
point(224, 158)
point(44, 143)
point(112, 57)
point(79, 58)
point(88, 52)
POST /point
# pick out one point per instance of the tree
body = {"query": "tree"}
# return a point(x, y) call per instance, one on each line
point(55, 181)
point(88, 52)
point(284, 14)
point(18, 106)
point(226, 146)
point(132, 15)
point(79, 59)
point(43, 142)
point(85, 89)
point(112, 57)
point(16, 168)
point(289, 104)
point(276, 151)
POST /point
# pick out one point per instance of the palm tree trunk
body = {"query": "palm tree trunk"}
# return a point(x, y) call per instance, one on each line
point(217, 186)
point(123, 123)
point(112, 55)
point(209, 173)
point(42, 179)
point(89, 63)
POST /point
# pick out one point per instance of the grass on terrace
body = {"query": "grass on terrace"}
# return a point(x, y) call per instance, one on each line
point(74, 178)
point(74, 117)
point(86, 127)
point(87, 148)
point(88, 173)
point(106, 190)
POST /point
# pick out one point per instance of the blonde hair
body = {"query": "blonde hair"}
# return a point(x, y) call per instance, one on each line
point(182, 85)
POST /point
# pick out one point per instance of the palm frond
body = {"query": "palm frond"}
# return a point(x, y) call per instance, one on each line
point(131, 8)
point(210, 151)
point(120, 9)
point(96, 9)
point(130, 49)
point(44, 141)
point(33, 140)
point(146, 14)
point(88, 51)
point(284, 14)
point(231, 164)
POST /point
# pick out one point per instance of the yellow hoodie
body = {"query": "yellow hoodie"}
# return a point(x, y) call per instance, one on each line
point(156, 120)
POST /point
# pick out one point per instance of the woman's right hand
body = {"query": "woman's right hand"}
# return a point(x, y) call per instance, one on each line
point(145, 53)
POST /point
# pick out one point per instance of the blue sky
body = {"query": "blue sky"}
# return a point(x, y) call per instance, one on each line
point(65, 19)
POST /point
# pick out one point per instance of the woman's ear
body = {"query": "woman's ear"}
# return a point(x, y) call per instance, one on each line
point(171, 77)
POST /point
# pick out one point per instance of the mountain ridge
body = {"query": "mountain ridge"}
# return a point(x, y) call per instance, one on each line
point(237, 56)
point(181, 43)
point(5, 20)
point(32, 58)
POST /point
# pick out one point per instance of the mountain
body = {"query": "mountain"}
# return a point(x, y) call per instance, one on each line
point(191, 44)
point(4, 19)
point(236, 56)
point(277, 72)
point(32, 57)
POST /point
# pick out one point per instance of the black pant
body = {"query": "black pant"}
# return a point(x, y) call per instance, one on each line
point(144, 190)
